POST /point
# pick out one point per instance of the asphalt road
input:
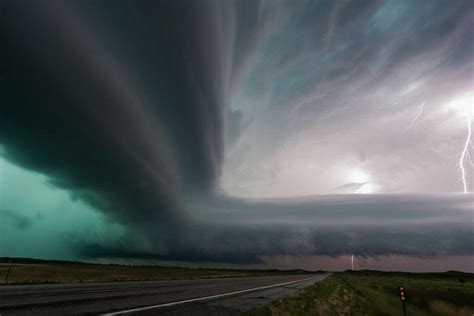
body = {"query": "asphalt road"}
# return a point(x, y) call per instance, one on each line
point(227, 296)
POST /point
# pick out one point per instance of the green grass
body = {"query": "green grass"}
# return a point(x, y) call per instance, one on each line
point(31, 271)
point(376, 293)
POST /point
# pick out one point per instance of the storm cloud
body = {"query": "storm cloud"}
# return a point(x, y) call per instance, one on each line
point(229, 131)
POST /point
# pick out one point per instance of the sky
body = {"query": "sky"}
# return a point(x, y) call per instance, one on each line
point(287, 134)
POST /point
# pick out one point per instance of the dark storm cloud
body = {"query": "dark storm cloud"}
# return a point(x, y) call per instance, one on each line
point(120, 104)
point(183, 254)
point(349, 209)
point(334, 225)
point(247, 244)
point(244, 232)
point(126, 106)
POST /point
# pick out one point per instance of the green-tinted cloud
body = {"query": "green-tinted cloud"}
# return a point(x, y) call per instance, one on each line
point(40, 220)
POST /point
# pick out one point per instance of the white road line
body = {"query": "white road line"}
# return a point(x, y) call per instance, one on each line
point(209, 297)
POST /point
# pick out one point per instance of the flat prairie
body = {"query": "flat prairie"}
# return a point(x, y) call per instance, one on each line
point(33, 271)
point(377, 293)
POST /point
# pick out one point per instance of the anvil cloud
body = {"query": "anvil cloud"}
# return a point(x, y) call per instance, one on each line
point(234, 131)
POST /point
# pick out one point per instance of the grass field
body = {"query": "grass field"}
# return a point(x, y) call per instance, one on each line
point(377, 293)
point(31, 271)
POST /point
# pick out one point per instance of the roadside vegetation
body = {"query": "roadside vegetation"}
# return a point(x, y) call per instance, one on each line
point(377, 293)
point(32, 271)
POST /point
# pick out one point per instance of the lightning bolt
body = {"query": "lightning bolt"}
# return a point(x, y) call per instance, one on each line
point(465, 155)
point(420, 110)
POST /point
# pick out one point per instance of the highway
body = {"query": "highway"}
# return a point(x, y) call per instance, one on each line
point(225, 296)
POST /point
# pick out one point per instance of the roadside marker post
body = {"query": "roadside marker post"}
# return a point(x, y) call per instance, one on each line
point(402, 298)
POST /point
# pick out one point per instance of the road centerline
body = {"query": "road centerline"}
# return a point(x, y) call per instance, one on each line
point(203, 298)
